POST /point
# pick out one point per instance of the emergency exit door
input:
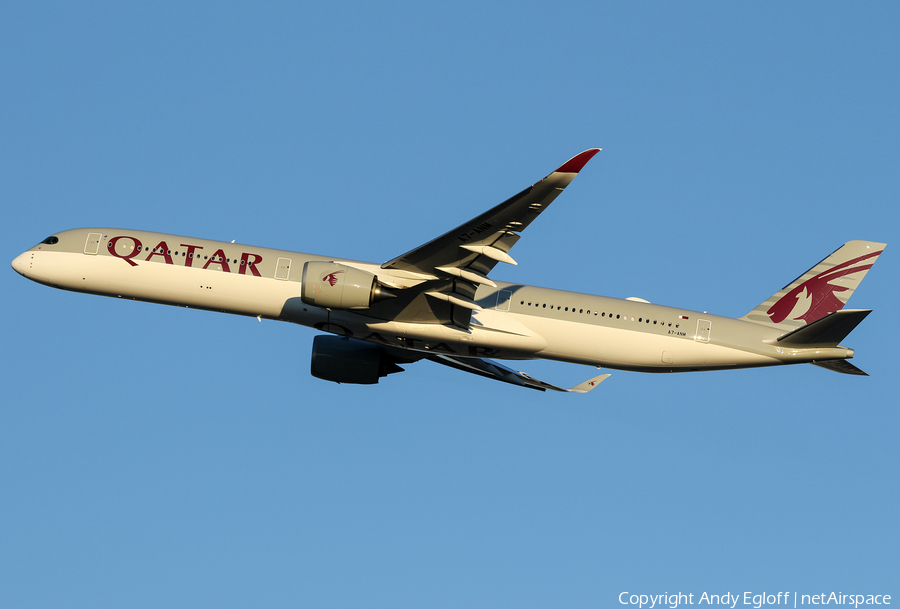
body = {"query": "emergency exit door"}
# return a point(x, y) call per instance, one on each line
point(704, 326)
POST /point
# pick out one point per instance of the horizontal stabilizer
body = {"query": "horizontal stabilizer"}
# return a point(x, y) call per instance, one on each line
point(842, 366)
point(826, 331)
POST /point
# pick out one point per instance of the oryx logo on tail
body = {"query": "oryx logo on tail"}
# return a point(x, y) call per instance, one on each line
point(816, 297)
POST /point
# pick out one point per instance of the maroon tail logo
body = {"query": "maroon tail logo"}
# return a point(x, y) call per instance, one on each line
point(819, 292)
point(331, 278)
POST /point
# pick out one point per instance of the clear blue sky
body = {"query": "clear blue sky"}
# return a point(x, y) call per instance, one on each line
point(153, 456)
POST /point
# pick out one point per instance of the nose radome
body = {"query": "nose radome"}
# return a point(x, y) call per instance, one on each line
point(21, 263)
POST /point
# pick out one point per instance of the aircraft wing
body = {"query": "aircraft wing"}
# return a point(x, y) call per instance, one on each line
point(457, 262)
point(499, 372)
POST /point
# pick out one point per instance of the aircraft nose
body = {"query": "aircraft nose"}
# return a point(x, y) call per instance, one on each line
point(22, 263)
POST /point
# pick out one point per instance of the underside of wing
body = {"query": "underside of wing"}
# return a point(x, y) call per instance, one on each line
point(457, 262)
point(346, 360)
point(499, 372)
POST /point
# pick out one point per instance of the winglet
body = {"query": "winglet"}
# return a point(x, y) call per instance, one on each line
point(589, 384)
point(578, 161)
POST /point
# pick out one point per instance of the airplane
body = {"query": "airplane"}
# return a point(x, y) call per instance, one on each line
point(437, 302)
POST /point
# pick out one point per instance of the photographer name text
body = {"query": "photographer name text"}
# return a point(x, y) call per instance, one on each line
point(757, 600)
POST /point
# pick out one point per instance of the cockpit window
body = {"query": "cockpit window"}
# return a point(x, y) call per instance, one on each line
point(52, 240)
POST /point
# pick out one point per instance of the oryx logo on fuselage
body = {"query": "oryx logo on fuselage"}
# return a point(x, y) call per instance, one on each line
point(818, 293)
point(331, 278)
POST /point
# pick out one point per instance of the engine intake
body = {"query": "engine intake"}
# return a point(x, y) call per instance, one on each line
point(338, 286)
point(345, 360)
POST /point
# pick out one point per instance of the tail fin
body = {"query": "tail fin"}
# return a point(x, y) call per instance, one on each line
point(823, 289)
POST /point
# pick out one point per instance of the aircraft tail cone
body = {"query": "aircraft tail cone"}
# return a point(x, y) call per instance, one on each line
point(380, 292)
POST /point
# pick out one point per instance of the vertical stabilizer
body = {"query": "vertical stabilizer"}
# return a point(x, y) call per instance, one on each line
point(823, 289)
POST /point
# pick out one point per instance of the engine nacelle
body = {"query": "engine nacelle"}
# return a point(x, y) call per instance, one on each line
point(345, 360)
point(338, 286)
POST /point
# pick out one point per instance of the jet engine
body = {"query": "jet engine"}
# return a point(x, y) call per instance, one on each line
point(338, 286)
point(345, 360)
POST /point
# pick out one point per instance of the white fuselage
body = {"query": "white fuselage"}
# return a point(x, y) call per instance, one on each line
point(516, 321)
